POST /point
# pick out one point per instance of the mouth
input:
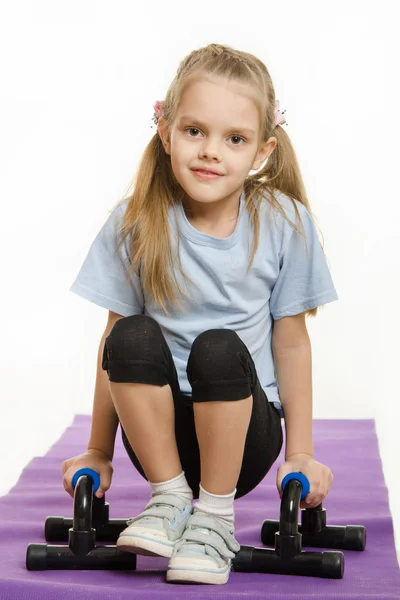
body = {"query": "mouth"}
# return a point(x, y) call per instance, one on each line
point(206, 174)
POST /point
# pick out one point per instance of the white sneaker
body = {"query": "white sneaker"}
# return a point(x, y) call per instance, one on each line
point(155, 531)
point(204, 553)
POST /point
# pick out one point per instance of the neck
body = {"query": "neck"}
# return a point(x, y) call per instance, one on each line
point(213, 213)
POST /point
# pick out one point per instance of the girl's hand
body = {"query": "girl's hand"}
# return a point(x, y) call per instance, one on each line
point(319, 476)
point(91, 459)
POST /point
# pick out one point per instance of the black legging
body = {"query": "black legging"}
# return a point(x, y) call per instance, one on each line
point(219, 367)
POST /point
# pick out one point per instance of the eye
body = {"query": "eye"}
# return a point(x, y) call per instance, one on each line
point(238, 137)
point(192, 129)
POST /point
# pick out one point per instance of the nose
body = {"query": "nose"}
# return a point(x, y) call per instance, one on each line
point(210, 150)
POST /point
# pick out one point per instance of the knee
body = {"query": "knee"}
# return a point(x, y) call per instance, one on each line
point(217, 342)
point(134, 337)
point(216, 354)
point(133, 325)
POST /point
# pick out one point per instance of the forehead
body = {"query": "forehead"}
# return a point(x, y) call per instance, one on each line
point(215, 100)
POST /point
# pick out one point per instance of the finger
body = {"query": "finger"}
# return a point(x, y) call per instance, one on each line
point(68, 487)
point(66, 464)
point(312, 504)
point(101, 491)
point(324, 487)
point(327, 486)
point(316, 501)
point(319, 495)
point(105, 483)
point(314, 489)
point(278, 482)
point(281, 474)
point(318, 492)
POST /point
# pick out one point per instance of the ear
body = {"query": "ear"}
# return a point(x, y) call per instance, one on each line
point(264, 152)
point(163, 131)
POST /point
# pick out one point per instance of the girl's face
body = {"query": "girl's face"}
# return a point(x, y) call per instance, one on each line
point(216, 127)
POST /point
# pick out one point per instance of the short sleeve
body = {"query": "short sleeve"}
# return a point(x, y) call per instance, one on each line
point(103, 277)
point(304, 281)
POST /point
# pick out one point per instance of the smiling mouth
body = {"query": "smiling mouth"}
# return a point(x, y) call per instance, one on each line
point(200, 174)
point(205, 171)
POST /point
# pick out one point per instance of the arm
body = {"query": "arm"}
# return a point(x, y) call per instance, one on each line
point(104, 418)
point(293, 363)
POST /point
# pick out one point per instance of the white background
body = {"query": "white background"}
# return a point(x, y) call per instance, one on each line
point(78, 83)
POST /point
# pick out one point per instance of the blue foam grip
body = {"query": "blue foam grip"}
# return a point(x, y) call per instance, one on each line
point(93, 474)
point(301, 478)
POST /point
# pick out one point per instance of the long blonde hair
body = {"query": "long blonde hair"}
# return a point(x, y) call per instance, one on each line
point(155, 187)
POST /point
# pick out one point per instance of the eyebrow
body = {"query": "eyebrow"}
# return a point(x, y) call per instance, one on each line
point(195, 120)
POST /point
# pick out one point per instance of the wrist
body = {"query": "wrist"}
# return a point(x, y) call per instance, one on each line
point(96, 451)
point(299, 455)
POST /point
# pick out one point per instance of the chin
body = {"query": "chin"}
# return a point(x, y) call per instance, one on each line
point(204, 192)
point(206, 197)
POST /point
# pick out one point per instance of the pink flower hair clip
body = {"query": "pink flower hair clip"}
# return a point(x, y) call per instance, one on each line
point(279, 118)
point(157, 110)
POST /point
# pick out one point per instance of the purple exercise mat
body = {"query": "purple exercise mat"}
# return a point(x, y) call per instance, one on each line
point(358, 497)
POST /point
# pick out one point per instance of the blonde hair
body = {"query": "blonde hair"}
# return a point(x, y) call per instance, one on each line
point(155, 187)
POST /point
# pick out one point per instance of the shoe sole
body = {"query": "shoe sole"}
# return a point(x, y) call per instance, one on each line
point(144, 546)
point(197, 576)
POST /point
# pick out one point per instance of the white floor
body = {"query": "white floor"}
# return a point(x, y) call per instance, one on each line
point(18, 451)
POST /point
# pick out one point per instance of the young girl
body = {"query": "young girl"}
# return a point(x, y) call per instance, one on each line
point(208, 273)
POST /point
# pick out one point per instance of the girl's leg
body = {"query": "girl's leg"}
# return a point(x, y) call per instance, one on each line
point(142, 376)
point(239, 432)
point(147, 414)
point(239, 435)
point(221, 429)
point(139, 380)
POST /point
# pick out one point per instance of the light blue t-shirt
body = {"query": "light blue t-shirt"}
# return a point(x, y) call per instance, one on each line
point(282, 281)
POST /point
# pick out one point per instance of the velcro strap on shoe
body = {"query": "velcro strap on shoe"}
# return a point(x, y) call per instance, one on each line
point(193, 535)
point(170, 499)
point(157, 511)
point(161, 506)
point(208, 522)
